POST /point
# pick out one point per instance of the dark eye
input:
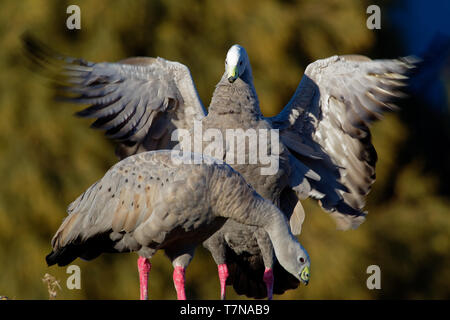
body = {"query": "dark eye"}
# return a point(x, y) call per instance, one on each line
point(301, 260)
point(240, 63)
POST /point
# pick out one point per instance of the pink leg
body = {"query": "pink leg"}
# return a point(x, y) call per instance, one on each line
point(178, 281)
point(144, 267)
point(268, 279)
point(223, 275)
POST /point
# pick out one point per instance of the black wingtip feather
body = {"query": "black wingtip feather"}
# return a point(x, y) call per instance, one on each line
point(38, 52)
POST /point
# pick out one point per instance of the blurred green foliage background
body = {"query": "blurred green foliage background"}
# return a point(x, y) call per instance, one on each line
point(48, 157)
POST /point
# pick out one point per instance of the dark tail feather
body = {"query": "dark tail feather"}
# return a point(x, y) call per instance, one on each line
point(283, 280)
point(62, 257)
point(246, 280)
point(246, 276)
point(87, 250)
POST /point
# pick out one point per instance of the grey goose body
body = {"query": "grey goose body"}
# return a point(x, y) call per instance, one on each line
point(146, 203)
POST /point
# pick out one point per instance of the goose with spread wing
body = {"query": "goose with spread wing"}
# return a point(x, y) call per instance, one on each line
point(324, 150)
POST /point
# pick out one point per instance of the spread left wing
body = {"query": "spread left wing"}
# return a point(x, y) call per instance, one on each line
point(139, 102)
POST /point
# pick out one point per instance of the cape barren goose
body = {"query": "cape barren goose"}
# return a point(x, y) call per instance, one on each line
point(147, 202)
point(324, 150)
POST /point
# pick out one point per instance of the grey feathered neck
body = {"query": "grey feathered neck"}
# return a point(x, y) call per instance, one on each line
point(238, 97)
